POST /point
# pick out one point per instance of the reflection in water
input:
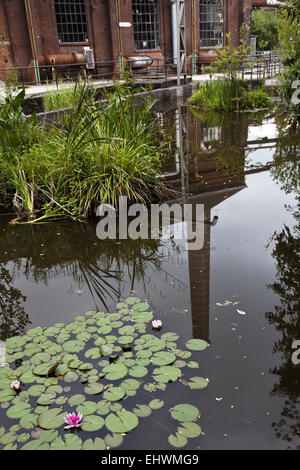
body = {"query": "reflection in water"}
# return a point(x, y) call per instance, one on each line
point(286, 319)
point(13, 318)
point(214, 155)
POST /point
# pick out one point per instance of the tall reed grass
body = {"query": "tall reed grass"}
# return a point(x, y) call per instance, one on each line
point(97, 154)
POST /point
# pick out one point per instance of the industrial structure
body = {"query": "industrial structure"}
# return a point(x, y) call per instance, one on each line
point(103, 33)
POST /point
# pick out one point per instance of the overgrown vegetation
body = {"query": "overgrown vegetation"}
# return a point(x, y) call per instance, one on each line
point(264, 25)
point(64, 97)
point(95, 156)
point(225, 95)
point(231, 92)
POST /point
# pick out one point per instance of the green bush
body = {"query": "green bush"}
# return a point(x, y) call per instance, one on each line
point(256, 99)
point(218, 95)
point(264, 25)
point(222, 95)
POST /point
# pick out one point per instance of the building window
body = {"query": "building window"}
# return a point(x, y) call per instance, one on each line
point(71, 20)
point(146, 23)
point(211, 23)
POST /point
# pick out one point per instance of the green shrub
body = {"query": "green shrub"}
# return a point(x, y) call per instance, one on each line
point(256, 99)
point(225, 95)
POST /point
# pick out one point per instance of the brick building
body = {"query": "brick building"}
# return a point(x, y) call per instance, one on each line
point(45, 28)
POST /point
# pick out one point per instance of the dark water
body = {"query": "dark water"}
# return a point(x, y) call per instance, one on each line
point(53, 272)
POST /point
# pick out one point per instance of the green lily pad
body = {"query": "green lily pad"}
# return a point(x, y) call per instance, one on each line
point(166, 374)
point(197, 383)
point(113, 440)
point(93, 388)
point(178, 440)
point(156, 404)
point(73, 346)
point(115, 371)
point(29, 421)
point(138, 371)
point(70, 442)
point(121, 422)
point(163, 358)
point(142, 411)
point(190, 429)
point(196, 344)
point(185, 412)
point(92, 423)
point(97, 444)
point(76, 400)
point(114, 394)
point(71, 376)
point(51, 419)
point(45, 399)
point(19, 410)
point(87, 408)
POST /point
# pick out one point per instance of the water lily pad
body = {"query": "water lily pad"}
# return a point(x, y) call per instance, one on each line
point(87, 408)
point(121, 422)
point(177, 440)
point(166, 374)
point(138, 371)
point(29, 421)
point(70, 442)
point(51, 419)
point(73, 346)
point(190, 429)
point(142, 411)
point(19, 410)
point(163, 358)
point(71, 376)
point(132, 300)
point(115, 371)
point(185, 412)
point(16, 342)
point(156, 404)
point(97, 444)
point(114, 394)
point(114, 440)
point(36, 390)
point(76, 400)
point(197, 383)
point(36, 444)
point(8, 438)
point(93, 388)
point(92, 423)
point(45, 399)
point(196, 344)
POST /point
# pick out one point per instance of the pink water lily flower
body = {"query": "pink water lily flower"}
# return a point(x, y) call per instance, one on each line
point(73, 420)
point(157, 324)
point(15, 385)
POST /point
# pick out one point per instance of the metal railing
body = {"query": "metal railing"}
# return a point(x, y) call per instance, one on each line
point(106, 71)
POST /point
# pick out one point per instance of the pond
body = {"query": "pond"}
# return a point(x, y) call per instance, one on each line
point(240, 294)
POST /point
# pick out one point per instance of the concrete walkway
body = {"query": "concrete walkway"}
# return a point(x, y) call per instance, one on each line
point(40, 90)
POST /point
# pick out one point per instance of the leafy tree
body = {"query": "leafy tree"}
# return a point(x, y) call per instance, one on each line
point(265, 28)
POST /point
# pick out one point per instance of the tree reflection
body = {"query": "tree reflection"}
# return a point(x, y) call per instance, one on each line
point(287, 157)
point(13, 318)
point(286, 319)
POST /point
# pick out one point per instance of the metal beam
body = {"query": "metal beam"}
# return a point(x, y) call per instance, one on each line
point(181, 42)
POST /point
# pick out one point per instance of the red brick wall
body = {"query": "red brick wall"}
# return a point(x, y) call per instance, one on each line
point(102, 26)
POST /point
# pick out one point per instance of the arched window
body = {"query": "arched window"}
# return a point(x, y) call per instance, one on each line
point(71, 20)
point(146, 24)
point(211, 23)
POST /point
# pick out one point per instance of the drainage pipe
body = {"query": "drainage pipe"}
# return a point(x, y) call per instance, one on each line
point(32, 41)
point(174, 30)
